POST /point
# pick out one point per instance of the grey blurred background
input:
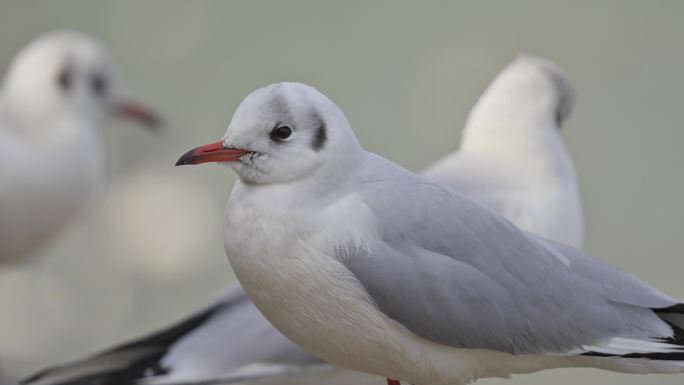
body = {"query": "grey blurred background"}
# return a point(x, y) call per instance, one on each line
point(405, 72)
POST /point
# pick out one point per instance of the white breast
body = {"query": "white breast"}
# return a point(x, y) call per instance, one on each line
point(290, 271)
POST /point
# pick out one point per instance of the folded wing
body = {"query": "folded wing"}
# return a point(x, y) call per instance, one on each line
point(456, 273)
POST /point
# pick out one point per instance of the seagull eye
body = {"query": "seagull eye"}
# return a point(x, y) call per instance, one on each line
point(65, 79)
point(98, 85)
point(281, 133)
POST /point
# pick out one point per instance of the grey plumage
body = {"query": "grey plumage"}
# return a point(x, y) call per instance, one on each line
point(468, 278)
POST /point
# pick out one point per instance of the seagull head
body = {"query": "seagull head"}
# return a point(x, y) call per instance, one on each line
point(531, 92)
point(66, 75)
point(280, 133)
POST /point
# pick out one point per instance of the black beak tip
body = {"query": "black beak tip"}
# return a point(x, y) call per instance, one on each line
point(187, 158)
point(152, 122)
point(155, 125)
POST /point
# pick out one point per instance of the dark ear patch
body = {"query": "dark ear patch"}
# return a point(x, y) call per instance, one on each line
point(320, 135)
point(98, 85)
point(65, 79)
point(559, 117)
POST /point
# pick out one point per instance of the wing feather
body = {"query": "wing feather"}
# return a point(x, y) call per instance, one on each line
point(456, 273)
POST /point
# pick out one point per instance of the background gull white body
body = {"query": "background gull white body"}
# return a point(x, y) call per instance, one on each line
point(47, 181)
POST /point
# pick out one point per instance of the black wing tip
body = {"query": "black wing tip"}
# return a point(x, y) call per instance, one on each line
point(643, 356)
point(149, 365)
point(675, 309)
point(673, 316)
point(676, 340)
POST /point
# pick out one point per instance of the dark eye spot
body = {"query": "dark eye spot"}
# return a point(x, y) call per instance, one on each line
point(280, 133)
point(98, 85)
point(65, 79)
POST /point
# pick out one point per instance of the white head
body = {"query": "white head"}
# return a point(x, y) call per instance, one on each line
point(65, 75)
point(530, 95)
point(280, 133)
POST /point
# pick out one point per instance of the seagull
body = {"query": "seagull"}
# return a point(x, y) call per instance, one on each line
point(512, 157)
point(57, 90)
point(374, 268)
point(230, 339)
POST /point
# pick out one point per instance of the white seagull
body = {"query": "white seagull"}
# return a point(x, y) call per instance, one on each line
point(55, 93)
point(512, 157)
point(231, 340)
point(374, 268)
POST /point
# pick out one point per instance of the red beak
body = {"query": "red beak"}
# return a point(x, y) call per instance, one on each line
point(139, 113)
point(214, 152)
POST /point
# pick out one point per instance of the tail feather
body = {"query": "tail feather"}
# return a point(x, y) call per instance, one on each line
point(658, 349)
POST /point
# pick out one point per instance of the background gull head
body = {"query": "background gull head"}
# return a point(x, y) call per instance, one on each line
point(66, 76)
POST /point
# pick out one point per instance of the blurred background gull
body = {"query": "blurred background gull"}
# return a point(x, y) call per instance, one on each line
point(406, 73)
point(54, 96)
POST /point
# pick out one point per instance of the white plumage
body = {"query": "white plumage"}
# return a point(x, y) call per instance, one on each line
point(56, 92)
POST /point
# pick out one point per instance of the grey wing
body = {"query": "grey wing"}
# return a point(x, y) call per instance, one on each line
point(456, 273)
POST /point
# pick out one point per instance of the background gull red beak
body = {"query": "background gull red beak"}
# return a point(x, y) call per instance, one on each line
point(139, 113)
point(213, 152)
